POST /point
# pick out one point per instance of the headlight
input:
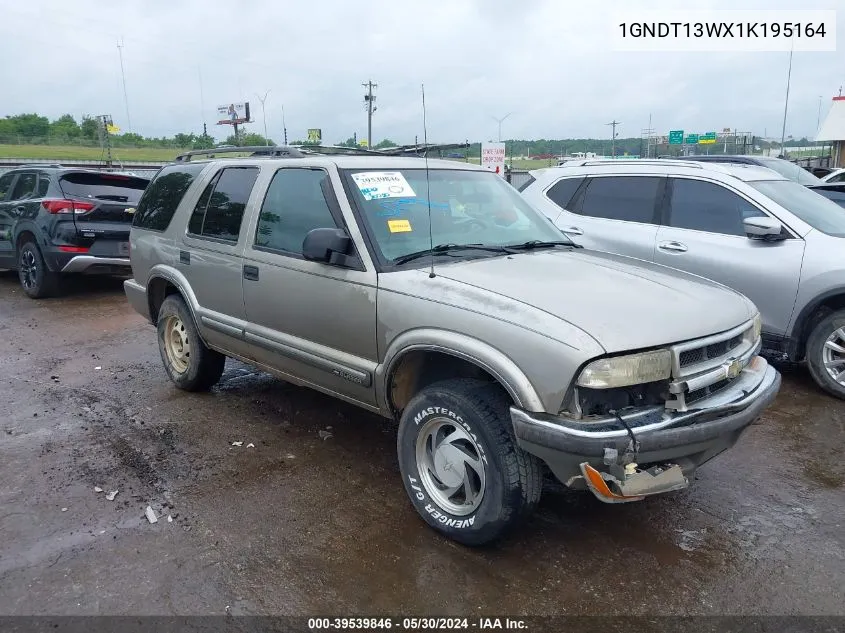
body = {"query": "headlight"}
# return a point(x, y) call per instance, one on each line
point(758, 326)
point(621, 371)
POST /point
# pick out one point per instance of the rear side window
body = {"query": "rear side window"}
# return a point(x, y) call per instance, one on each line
point(705, 206)
point(629, 198)
point(562, 191)
point(163, 195)
point(105, 187)
point(43, 185)
point(220, 209)
point(5, 183)
point(25, 186)
point(295, 204)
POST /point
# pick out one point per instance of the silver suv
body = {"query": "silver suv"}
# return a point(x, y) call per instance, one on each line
point(431, 293)
point(772, 239)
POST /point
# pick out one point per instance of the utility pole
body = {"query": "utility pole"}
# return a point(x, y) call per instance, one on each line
point(284, 126)
point(499, 121)
point(123, 77)
point(369, 100)
point(202, 101)
point(648, 132)
point(613, 125)
point(105, 121)
point(786, 104)
point(264, 114)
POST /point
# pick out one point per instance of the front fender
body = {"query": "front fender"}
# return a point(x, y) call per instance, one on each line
point(488, 358)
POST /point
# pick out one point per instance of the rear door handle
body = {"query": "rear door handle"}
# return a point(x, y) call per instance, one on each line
point(251, 272)
point(572, 230)
point(673, 246)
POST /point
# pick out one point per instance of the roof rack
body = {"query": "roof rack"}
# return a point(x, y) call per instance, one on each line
point(639, 161)
point(271, 151)
point(40, 165)
point(337, 149)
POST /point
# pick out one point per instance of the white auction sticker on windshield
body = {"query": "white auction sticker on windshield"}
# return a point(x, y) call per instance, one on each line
point(375, 185)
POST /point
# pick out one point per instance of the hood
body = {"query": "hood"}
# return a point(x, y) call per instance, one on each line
point(623, 303)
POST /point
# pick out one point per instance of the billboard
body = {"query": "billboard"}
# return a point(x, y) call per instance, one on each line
point(493, 157)
point(315, 135)
point(233, 113)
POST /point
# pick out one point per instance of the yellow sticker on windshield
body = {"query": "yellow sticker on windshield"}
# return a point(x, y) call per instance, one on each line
point(399, 226)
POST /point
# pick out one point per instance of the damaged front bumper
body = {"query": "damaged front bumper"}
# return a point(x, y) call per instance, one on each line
point(667, 446)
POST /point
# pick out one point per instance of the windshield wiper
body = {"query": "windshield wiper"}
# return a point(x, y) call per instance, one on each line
point(532, 244)
point(448, 249)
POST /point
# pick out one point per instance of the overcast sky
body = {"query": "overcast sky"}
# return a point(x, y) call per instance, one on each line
point(549, 62)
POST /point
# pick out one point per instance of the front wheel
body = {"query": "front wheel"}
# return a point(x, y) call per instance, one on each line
point(826, 354)
point(460, 463)
point(190, 364)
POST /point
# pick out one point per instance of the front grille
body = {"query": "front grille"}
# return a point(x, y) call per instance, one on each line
point(697, 362)
point(700, 394)
point(714, 350)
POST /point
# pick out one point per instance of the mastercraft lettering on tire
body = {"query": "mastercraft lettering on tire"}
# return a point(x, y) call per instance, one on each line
point(468, 317)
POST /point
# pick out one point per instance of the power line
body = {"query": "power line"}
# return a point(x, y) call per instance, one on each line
point(123, 77)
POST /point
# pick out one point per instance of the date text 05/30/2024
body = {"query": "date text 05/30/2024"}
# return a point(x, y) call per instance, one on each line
point(415, 624)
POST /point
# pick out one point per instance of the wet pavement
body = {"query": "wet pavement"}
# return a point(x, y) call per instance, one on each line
point(300, 525)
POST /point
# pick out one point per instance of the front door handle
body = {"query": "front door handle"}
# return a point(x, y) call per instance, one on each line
point(572, 230)
point(673, 246)
point(251, 272)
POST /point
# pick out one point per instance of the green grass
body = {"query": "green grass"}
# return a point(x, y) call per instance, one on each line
point(69, 152)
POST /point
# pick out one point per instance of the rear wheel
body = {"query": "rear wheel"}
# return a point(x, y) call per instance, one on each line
point(190, 364)
point(36, 279)
point(460, 463)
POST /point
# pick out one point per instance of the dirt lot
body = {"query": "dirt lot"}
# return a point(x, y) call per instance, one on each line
point(303, 525)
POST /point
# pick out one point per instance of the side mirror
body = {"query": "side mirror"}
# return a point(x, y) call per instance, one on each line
point(330, 246)
point(763, 228)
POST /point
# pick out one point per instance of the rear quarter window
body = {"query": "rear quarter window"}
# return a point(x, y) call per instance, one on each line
point(162, 196)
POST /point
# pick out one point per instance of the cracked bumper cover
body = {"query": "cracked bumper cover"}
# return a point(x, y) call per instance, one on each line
point(686, 439)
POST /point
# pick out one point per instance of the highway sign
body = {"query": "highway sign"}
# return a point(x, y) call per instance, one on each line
point(708, 138)
point(676, 137)
point(691, 139)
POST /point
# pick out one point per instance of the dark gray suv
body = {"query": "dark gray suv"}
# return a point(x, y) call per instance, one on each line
point(56, 220)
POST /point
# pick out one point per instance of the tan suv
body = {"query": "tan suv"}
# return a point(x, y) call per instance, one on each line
point(432, 293)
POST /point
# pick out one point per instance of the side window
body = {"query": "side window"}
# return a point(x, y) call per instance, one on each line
point(43, 185)
point(24, 187)
point(294, 205)
point(629, 198)
point(705, 206)
point(161, 198)
point(837, 178)
point(221, 209)
point(5, 183)
point(562, 191)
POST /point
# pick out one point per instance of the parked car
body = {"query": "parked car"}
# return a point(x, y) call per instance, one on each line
point(777, 242)
point(834, 191)
point(785, 168)
point(501, 347)
point(836, 176)
point(56, 220)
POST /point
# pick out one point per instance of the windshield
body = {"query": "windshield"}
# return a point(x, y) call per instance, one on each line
point(790, 170)
point(467, 207)
point(107, 187)
point(816, 210)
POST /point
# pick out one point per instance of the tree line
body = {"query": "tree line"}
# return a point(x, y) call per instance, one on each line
point(31, 128)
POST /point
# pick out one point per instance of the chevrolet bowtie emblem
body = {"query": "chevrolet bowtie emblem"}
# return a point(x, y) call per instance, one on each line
point(130, 210)
point(733, 369)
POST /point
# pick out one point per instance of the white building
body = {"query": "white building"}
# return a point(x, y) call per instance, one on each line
point(832, 131)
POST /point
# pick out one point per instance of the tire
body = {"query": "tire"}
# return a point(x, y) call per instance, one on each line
point(36, 279)
point(817, 353)
point(188, 362)
point(475, 415)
